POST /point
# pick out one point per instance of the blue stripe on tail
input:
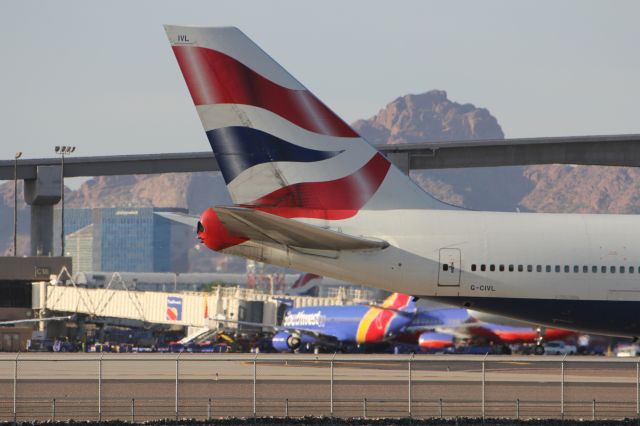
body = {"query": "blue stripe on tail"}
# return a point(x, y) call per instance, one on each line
point(239, 148)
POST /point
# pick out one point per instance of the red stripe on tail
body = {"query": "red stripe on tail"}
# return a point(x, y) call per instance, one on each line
point(216, 78)
point(332, 200)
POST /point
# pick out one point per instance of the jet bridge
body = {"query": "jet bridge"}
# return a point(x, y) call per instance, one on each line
point(190, 309)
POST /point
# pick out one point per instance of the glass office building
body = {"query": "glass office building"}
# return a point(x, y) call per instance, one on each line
point(126, 240)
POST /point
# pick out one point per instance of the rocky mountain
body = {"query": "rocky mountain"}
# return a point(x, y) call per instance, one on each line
point(195, 191)
point(429, 116)
point(432, 116)
point(583, 189)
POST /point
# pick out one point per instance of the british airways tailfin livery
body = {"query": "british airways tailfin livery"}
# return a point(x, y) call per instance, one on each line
point(311, 194)
point(306, 285)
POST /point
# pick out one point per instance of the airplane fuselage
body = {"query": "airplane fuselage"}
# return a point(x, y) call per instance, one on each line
point(573, 271)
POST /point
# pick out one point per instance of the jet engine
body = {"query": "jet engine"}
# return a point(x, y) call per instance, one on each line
point(285, 342)
point(431, 340)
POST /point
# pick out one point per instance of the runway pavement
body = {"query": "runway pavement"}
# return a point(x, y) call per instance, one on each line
point(119, 385)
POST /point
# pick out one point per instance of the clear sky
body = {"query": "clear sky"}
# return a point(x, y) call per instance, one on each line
point(101, 75)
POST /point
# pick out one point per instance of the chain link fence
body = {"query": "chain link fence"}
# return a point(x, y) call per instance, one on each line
point(198, 386)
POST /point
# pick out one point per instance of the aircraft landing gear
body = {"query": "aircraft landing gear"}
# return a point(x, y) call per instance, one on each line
point(539, 349)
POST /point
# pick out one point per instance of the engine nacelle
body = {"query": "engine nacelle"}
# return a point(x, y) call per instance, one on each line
point(431, 340)
point(213, 234)
point(285, 342)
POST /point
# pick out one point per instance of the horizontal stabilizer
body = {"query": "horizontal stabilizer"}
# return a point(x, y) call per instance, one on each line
point(183, 218)
point(265, 227)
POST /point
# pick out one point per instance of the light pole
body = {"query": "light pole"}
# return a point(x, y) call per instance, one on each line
point(15, 201)
point(62, 150)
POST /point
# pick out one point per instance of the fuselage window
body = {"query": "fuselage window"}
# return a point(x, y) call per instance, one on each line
point(473, 267)
point(585, 269)
point(492, 268)
point(520, 268)
point(603, 269)
point(557, 268)
point(567, 268)
point(631, 269)
point(612, 269)
point(501, 268)
point(539, 268)
point(483, 267)
point(622, 269)
point(594, 269)
point(529, 268)
point(510, 268)
point(576, 269)
point(445, 267)
point(548, 268)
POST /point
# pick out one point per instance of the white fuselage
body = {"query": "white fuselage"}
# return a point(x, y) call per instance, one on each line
point(476, 259)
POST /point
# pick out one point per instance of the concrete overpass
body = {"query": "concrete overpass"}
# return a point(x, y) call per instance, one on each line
point(42, 176)
point(607, 150)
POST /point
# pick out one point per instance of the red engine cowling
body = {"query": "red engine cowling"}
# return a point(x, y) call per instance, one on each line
point(432, 340)
point(213, 234)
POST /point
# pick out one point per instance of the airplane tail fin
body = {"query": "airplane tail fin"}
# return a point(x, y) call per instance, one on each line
point(279, 148)
point(400, 302)
point(306, 285)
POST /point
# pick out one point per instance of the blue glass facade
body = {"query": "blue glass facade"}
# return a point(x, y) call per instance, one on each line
point(75, 219)
point(132, 239)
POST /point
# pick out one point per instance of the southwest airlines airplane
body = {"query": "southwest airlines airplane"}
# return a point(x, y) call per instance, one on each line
point(309, 193)
point(396, 320)
point(339, 327)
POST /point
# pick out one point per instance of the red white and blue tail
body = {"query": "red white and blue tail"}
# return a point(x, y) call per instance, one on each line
point(279, 148)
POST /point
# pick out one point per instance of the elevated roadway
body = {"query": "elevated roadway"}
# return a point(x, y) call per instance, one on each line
point(42, 176)
point(606, 150)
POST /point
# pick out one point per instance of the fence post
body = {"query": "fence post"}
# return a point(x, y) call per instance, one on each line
point(133, 410)
point(177, 380)
point(593, 410)
point(331, 385)
point(562, 387)
point(254, 382)
point(440, 407)
point(286, 408)
point(100, 386)
point(517, 408)
point(483, 384)
point(209, 409)
point(15, 387)
point(410, 380)
point(364, 408)
point(53, 410)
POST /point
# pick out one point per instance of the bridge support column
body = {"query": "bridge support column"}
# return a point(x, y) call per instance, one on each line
point(400, 160)
point(42, 193)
